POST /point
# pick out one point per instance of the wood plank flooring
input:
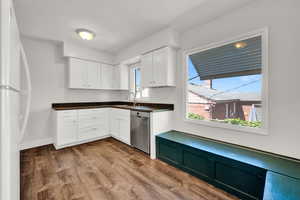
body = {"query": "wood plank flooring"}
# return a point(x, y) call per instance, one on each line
point(106, 170)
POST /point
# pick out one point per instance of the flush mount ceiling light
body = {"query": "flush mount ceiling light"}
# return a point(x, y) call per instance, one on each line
point(85, 34)
point(240, 45)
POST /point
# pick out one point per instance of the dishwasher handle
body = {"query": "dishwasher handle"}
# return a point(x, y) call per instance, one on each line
point(142, 114)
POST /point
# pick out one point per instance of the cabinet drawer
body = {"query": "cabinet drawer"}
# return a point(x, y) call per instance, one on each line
point(93, 115)
point(92, 118)
point(68, 114)
point(89, 132)
point(120, 113)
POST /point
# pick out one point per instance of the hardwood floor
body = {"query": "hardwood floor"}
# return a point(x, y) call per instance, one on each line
point(106, 169)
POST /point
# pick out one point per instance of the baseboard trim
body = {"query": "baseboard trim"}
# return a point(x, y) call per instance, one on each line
point(81, 142)
point(36, 143)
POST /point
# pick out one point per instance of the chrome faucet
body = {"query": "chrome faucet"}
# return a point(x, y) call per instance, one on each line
point(134, 97)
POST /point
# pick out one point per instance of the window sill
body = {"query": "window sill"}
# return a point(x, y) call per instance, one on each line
point(259, 131)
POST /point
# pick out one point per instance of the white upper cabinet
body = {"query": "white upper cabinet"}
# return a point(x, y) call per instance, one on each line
point(107, 72)
point(158, 68)
point(85, 74)
point(147, 70)
point(121, 81)
point(93, 74)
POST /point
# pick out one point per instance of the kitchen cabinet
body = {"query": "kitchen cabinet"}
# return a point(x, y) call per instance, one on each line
point(124, 134)
point(107, 77)
point(83, 74)
point(120, 125)
point(78, 126)
point(83, 125)
point(158, 68)
point(147, 70)
point(92, 123)
point(66, 127)
point(121, 79)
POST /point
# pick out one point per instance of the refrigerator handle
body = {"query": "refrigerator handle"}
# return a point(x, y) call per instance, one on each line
point(28, 80)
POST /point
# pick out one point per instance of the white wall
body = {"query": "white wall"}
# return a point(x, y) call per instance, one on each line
point(72, 50)
point(162, 38)
point(282, 19)
point(48, 71)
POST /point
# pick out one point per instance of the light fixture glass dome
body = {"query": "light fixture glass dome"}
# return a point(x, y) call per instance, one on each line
point(85, 34)
point(240, 45)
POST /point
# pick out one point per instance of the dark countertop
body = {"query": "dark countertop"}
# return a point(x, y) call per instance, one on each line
point(143, 107)
point(278, 187)
point(268, 161)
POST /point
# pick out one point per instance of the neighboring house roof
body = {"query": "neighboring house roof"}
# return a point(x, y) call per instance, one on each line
point(215, 95)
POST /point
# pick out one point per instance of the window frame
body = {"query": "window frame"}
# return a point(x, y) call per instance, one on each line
point(264, 88)
point(132, 80)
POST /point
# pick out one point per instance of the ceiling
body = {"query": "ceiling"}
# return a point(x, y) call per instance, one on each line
point(117, 23)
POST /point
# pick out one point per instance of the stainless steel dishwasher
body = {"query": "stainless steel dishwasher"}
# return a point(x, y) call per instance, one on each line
point(140, 130)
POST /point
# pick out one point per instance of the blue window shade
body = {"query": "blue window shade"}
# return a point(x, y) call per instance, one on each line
point(229, 61)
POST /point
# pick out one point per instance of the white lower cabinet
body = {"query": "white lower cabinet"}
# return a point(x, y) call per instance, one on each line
point(66, 127)
point(120, 125)
point(92, 123)
point(78, 126)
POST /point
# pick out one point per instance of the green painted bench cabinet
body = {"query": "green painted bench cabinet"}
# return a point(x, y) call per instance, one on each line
point(246, 173)
point(240, 179)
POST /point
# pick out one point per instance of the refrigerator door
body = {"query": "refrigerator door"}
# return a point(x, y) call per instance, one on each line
point(9, 103)
point(10, 43)
point(10, 137)
point(15, 51)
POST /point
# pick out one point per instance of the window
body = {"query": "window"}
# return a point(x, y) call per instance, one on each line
point(225, 84)
point(135, 82)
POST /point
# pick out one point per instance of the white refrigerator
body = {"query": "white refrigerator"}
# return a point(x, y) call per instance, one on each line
point(13, 119)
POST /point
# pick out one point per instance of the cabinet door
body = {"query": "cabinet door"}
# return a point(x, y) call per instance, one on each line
point(78, 73)
point(121, 77)
point(124, 132)
point(101, 116)
point(107, 76)
point(67, 127)
point(113, 123)
point(160, 67)
point(93, 75)
point(115, 127)
point(147, 70)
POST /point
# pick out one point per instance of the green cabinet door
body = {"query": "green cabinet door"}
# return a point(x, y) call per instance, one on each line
point(169, 152)
point(198, 163)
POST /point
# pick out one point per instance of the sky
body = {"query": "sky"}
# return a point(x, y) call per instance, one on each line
point(138, 77)
point(252, 82)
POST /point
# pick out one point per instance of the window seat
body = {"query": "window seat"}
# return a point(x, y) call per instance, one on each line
point(254, 172)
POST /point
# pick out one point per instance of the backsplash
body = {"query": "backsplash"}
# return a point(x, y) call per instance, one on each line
point(154, 95)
